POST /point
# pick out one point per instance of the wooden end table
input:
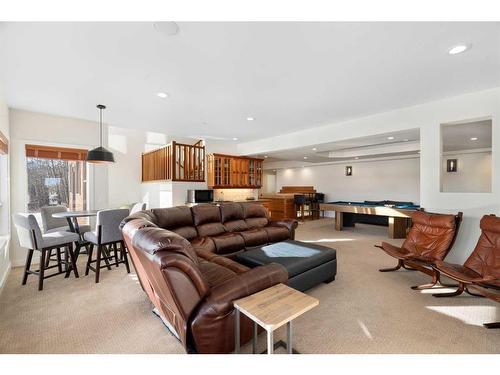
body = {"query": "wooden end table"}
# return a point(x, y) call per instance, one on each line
point(271, 308)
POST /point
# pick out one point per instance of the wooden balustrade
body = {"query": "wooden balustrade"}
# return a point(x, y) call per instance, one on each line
point(174, 162)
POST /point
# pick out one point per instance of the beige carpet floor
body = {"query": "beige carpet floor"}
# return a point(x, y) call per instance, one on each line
point(362, 311)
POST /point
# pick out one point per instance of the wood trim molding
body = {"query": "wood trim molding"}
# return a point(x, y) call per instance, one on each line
point(50, 152)
point(4, 144)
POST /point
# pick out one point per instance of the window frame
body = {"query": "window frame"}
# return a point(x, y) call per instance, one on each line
point(89, 169)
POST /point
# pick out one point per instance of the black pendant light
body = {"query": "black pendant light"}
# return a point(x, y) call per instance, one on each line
point(100, 154)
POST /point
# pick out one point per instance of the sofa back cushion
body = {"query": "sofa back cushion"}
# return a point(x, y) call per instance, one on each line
point(431, 235)
point(176, 219)
point(233, 216)
point(485, 259)
point(255, 215)
point(207, 219)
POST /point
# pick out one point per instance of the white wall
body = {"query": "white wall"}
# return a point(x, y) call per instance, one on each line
point(472, 176)
point(4, 197)
point(269, 180)
point(427, 117)
point(110, 185)
point(376, 180)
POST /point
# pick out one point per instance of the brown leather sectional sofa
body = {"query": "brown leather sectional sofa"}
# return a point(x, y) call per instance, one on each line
point(182, 257)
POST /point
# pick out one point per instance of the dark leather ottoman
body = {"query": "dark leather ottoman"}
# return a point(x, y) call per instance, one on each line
point(307, 264)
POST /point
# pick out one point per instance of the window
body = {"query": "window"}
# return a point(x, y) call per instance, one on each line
point(56, 176)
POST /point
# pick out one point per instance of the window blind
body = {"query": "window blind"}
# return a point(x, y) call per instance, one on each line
point(50, 152)
point(4, 144)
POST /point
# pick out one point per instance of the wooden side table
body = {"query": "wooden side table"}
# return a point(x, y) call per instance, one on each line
point(271, 308)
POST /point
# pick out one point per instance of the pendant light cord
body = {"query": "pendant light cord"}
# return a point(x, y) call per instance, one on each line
point(100, 127)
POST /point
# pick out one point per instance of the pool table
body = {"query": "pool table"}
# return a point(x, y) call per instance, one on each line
point(396, 215)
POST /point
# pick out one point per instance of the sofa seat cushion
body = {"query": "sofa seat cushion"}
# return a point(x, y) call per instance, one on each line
point(203, 243)
point(188, 233)
point(254, 237)
point(236, 226)
point(222, 261)
point(277, 234)
point(228, 243)
point(215, 274)
point(256, 222)
point(210, 229)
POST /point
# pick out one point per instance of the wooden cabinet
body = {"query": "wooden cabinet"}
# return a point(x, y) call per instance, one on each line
point(226, 171)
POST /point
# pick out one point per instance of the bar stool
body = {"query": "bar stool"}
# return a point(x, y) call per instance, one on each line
point(300, 203)
point(106, 237)
point(52, 224)
point(30, 236)
point(317, 200)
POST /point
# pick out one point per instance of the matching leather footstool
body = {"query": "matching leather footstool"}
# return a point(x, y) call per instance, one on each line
point(307, 264)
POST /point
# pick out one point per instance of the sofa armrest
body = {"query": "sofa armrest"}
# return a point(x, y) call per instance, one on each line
point(221, 261)
point(212, 325)
point(290, 224)
point(220, 300)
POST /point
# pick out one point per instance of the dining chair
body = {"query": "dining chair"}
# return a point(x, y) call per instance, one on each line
point(30, 236)
point(53, 224)
point(137, 207)
point(106, 238)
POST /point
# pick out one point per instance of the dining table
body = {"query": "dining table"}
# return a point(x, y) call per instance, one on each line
point(72, 218)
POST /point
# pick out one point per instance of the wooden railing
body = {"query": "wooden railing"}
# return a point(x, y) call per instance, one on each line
point(174, 162)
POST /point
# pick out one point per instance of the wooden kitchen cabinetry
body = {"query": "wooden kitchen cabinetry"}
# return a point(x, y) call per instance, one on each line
point(226, 171)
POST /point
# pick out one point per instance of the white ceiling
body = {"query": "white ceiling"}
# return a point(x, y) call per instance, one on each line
point(403, 143)
point(457, 137)
point(289, 76)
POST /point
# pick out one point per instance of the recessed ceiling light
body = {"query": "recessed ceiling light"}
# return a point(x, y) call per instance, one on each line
point(250, 118)
point(305, 157)
point(265, 156)
point(162, 95)
point(357, 157)
point(390, 138)
point(455, 50)
point(167, 28)
point(235, 139)
point(474, 138)
point(314, 148)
